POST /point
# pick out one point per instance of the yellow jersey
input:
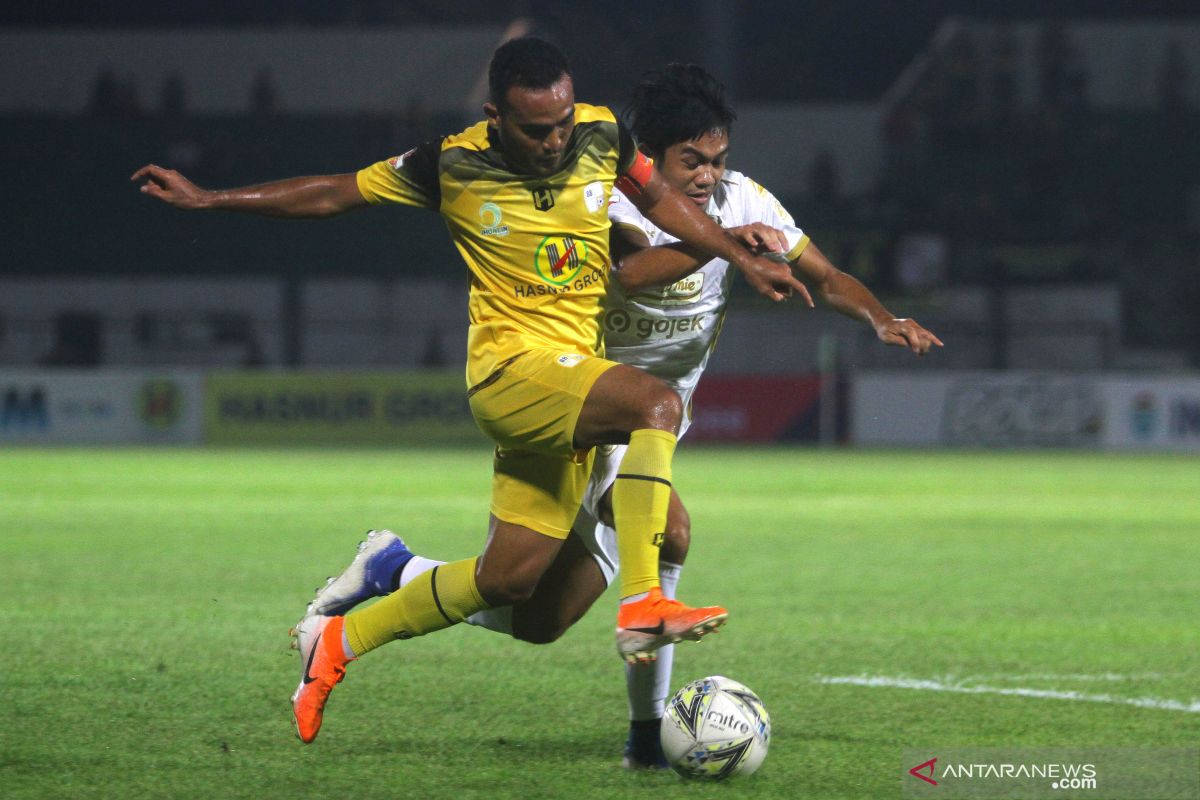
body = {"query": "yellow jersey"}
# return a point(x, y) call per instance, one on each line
point(536, 246)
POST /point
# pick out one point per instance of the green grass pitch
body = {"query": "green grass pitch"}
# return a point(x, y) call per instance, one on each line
point(147, 594)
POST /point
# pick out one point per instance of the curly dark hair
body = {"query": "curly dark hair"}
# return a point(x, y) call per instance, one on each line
point(529, 62)
point(679, 103)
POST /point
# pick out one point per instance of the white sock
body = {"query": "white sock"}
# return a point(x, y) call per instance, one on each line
point(649, 685)
point(416, 565)
point(493, 619)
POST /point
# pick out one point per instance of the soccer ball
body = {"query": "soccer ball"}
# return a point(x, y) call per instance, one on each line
point(714, 728)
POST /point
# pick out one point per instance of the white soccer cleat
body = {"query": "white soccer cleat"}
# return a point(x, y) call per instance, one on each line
point(372, 573)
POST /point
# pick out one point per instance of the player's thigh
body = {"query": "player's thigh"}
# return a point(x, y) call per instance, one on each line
point(625, 399)
point(567, 590)
point(539, 491)
point(513, 562)
point(530, 407)
point(533, 401)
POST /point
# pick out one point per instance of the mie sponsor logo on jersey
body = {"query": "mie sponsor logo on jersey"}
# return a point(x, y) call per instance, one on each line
point(680, 293)
point(558, 258)
point(543, 198)
point(491, 220)
point(593, 196)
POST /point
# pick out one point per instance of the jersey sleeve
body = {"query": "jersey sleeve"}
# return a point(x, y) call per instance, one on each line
point(410, 179)
point(623, 214)
point(769, 211)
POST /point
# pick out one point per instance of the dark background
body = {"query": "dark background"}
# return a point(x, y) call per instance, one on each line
point(1081, 194)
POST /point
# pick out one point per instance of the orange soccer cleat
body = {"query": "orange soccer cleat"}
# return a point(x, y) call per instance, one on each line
point(655, 621)
point(324, 665)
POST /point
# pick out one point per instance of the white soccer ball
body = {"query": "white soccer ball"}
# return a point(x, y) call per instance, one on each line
point(714, 728)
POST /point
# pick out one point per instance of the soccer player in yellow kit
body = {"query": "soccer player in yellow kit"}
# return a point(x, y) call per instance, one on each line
point(524, 195)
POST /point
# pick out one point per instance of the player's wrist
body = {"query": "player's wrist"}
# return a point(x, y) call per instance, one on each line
point(205, 200)
point(742, 258)
point(881, 321)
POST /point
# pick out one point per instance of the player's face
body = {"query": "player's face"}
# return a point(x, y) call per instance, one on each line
point(535, 125)
point(695, 167)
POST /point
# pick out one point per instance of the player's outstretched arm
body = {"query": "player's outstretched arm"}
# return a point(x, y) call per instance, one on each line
point(671, 210)
point(640, 266)
point(312, 196)
point(846, 294)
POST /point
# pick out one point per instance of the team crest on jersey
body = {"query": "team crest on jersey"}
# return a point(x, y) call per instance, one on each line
point(543, 198)
point(490, 220)
point(559, 258)
point(593, 196)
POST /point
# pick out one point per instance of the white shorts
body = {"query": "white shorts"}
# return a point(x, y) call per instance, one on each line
point(598, 538)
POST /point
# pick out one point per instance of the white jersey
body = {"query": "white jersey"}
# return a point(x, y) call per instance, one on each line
point(671, 331)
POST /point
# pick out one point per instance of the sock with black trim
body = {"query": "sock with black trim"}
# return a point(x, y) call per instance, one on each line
point(433, 600)
point(641, 496)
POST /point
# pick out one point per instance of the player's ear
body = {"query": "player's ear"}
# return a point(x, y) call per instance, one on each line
point(492, 113)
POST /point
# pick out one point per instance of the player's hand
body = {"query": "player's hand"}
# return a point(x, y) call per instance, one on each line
point(170, 187)
point(760, 238)
point(907, 333)
point(773, 279)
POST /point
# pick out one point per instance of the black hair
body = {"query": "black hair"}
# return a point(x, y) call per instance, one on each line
point(679, 103)
point(528, 62)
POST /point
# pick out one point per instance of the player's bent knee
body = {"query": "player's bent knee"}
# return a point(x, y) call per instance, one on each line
point(664, 411)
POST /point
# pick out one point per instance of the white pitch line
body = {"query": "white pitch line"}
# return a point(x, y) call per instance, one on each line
point(1112, 677)
point(1046, 694)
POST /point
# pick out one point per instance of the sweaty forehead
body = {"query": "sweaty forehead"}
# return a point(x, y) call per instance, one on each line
point(545, 106)
point(709, 144)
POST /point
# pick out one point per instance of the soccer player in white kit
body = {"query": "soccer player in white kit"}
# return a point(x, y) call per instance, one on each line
point(665, 311)
point(680, 119)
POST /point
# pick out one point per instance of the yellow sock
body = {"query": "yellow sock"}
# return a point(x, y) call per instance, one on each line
point(439, 598)
point(640, 499)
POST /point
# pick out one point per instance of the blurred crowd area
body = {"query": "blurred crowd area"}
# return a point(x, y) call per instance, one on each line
point(985, 178)
point(964, 156)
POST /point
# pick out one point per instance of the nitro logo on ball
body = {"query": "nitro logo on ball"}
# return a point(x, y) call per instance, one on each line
point(728, 722)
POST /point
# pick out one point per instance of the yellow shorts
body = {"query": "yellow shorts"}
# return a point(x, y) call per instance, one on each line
point(529, 408)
